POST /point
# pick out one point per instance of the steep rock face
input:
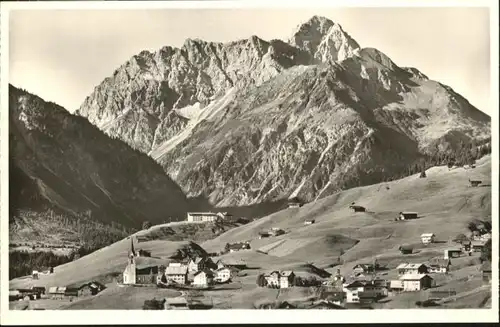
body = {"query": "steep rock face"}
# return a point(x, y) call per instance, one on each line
point(253, 121)
point(135, 101)
point(61, 160)
point(325, 40)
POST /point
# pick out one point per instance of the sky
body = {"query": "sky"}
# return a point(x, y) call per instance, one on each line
point(61, 55)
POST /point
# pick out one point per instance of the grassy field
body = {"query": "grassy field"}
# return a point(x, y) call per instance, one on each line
point(445, 204)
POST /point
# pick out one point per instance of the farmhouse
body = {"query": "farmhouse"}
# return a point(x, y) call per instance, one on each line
point(294, 203)
point(427, 238)
point(200, 263)
point(203, 278)
point(411, 268)
point(405, 249)
point(91, 288)
point(275, 231)
point(264, 235)
point(176, 274)
point(396, 285)
point(57, 292)
point(286, 279)
point(475, 183)
point(325, 305)
point(201, 216)
point(405, 215)
point(477, 246)
point(416, 282)
point(356, 208)
point(452, 253)
point(481, 237)
point(273, 279)
point(364, 268)
point(233, 247)
point(38, 289)
point(222, 275)
point(309, 222)
point(176, 303)
point(334, 296)
point(35, 274)
point(233, 264)
point(440, 266)
point(486, 270)
point(359, 288)
point(71, 292)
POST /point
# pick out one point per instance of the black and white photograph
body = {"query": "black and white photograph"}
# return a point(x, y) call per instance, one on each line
point(233, 156)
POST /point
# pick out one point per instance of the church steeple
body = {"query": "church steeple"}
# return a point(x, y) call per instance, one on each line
point(132, 250)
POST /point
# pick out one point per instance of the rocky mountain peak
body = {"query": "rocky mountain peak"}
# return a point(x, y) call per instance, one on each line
point(250, 120)
point(325, 40)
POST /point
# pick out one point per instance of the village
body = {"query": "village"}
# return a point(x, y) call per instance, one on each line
point(360, 287)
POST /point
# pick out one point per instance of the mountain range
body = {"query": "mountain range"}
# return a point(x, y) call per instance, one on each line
point(255, 121)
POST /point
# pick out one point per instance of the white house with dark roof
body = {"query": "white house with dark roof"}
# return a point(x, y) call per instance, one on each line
point(411, 268)
point(202, 216)
point(203, 278)
point(427, 238)
point(222, 274)
point(406, 215)
point(416, 282)
point(286, 279)
point(176, 273)
point(439, 265)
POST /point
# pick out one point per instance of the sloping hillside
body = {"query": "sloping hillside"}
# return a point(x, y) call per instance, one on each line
point(444, 200)
point(63, 162)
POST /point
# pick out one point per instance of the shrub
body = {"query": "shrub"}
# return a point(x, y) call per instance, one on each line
point(146, 225)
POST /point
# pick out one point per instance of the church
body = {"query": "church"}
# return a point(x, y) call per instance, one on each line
point(137, 271)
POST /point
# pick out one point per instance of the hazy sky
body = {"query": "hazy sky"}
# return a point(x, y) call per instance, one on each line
point(61, 55)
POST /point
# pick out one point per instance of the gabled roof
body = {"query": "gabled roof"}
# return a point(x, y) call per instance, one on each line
point(356, 283)
point(414, 265)
point(202, 213)
point(176, 270)
point(364, 265)
point(439, 262)
point(179, 300)
point(204, 271)
point(326, 304)
point(198, 260)
point(414, 276)
point(427, 235)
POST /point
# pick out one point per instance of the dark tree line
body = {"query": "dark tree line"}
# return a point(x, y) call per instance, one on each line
point(22, 263)
point(486, 252)
point(463, 154)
